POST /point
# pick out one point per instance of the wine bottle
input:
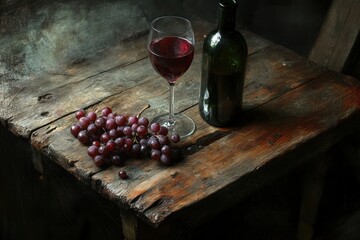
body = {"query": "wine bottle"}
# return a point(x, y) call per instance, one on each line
point(223, 67)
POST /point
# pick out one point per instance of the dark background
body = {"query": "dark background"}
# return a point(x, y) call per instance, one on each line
point(43, 35)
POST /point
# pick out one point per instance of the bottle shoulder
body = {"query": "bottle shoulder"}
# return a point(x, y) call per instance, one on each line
point(224, 52)
point(225, 39)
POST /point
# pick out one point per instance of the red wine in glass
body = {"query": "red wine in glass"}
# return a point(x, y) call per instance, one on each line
point(171, 57)
point(171, 50)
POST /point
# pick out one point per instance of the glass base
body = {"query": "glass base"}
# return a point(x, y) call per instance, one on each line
point(183, 125)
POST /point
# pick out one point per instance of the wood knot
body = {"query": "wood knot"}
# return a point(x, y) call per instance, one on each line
point(78, 61)
point(44, 114)
point(274, 138)
point(174, 174)
point(44, 98)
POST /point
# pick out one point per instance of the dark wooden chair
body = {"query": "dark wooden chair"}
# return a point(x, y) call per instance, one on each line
point(335, 47)
point(338, 35)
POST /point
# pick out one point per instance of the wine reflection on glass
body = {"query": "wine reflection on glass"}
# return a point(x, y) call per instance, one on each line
point(170, 47)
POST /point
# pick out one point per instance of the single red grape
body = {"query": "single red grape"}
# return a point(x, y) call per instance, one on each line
point(99, 161)
point(127, 131)
point(116, 160)
point(83, 137)
point(143, 121)
point(110, 124)
point(175, 138)
point(135, 151)
point(166, 150)
point(100, 122)
point(102, 150)
point(96, 143)
point(92, 128)
point(165, 159)
point(106, 111)
point(141, 130)
point(120, 131)
point(128, 144)
point(132, 120)
point(134, 127)
point(155, 154)
point(163, 140)
point(105, 137)
point(79, 114)
point(92, 116)
point(120, 120)
point(111, 115)
point(93, 151)
point(113, 133)
point(75, 129)
point(84, 122)
point(163, 131)
point(155, 127)
point(154, 144)
point(144, 149)
point(120, 142)
point(110, 146)
point(143, 141)
point(123, 174)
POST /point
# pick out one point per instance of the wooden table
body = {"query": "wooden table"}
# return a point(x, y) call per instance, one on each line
point(294, 110)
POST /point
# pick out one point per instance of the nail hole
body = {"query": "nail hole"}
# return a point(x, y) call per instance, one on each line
point(45, 114)
point(78, 61)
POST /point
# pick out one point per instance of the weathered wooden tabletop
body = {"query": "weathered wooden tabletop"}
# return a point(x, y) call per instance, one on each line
point(294, 109)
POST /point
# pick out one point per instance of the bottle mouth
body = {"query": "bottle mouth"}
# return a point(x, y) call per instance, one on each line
point(228, 4)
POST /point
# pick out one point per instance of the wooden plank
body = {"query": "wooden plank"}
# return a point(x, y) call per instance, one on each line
point(35, 93)
point(337, 35)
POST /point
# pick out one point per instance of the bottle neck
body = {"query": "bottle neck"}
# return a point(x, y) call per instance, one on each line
point(227, 19)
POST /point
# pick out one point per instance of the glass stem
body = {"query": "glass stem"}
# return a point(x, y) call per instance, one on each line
point(171, 105)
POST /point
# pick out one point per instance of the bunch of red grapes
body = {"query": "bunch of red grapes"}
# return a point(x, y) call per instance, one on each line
point(115, 138)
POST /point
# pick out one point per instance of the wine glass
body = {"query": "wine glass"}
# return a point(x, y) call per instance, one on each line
point(171, 46)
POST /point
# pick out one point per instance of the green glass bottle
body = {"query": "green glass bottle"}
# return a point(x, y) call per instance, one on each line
point(223, 68)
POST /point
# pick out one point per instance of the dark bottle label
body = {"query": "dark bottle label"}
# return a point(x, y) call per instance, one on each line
point(221, 97)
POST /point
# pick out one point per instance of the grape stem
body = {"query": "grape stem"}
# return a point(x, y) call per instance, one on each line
point(142, 110)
